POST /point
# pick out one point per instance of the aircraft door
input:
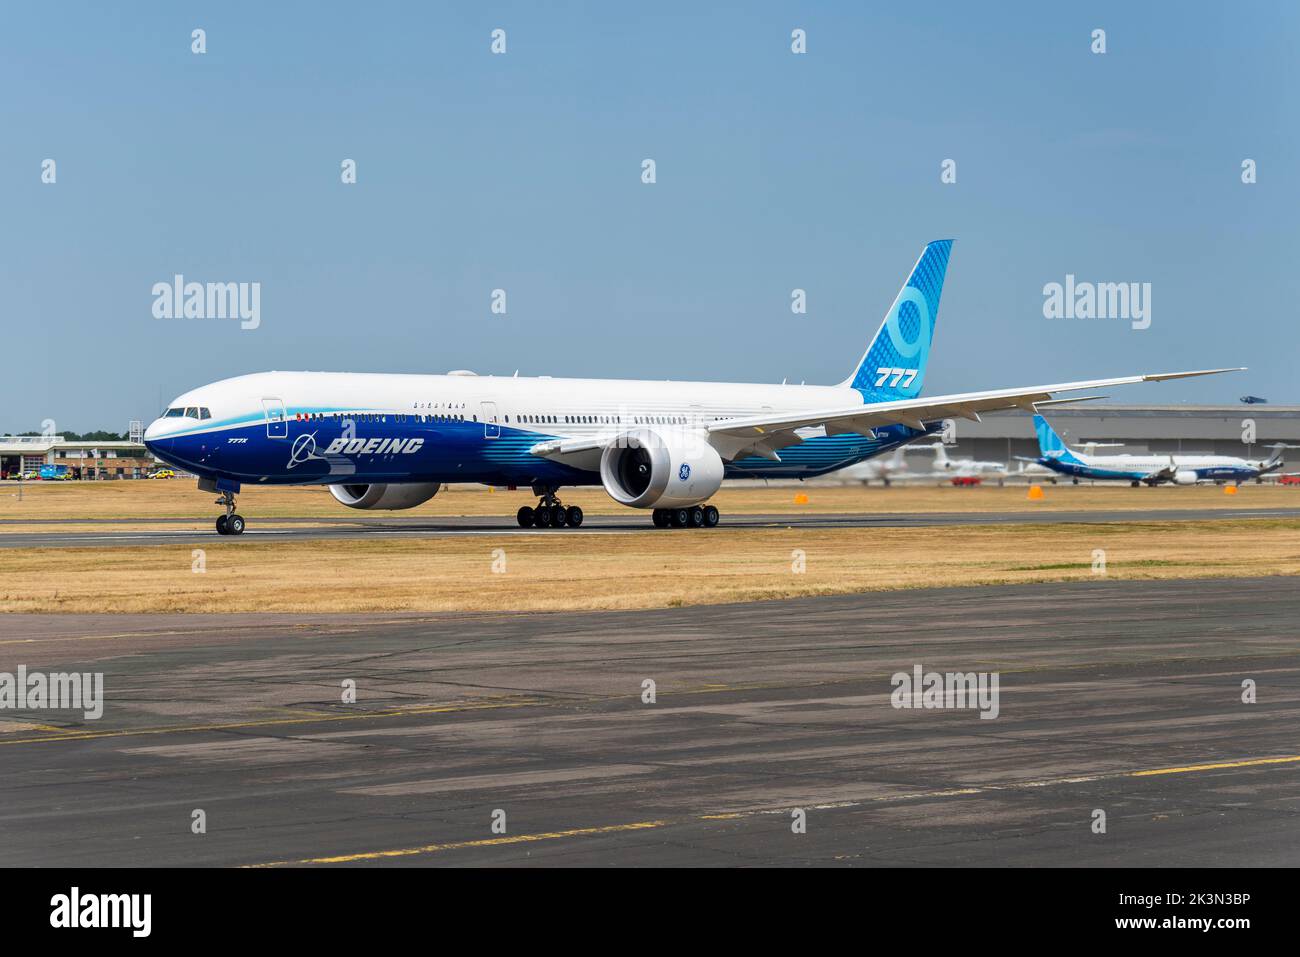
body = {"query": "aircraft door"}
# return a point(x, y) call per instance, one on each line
point(491, 424)
point(277, 421)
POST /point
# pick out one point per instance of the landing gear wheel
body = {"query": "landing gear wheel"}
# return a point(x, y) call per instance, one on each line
point(541, 517)
point(679, 517)
point(660, 517)
point(696, 517)
point(525, 516)
point(230, 523)
point(711, 517)
point(558, 516)
point(574, 516)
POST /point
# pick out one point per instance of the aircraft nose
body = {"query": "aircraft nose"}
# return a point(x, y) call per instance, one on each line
point(153, 437)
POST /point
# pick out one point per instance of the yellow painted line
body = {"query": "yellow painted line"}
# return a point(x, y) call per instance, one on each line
point(268, 722)
point(30, 726)
point(1250, 763)
point(458, 845)
point(988, 788)
point(734, 815)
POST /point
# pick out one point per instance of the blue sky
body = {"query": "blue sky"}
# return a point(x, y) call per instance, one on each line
point(522, 172)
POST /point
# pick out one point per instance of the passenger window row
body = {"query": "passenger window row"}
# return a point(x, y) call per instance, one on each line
point(528, 419)
point(440, 417)
point(375, 417)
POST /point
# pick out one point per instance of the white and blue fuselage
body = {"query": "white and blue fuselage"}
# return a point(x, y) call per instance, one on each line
point(303, 428)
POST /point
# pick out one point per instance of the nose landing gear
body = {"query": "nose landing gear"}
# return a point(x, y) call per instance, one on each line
point(231, 523)
point(549, 513)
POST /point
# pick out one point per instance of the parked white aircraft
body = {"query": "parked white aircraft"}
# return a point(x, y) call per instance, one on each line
point(884, 469)
point(389, 441)
point(962, 467)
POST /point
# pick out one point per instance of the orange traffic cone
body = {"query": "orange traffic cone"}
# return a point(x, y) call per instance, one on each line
point(1035, 493)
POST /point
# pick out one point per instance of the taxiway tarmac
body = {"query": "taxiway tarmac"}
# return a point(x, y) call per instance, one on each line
point(1124, 697)
point(105, 534)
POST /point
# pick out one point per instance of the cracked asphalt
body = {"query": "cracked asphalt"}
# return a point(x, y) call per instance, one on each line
point(503, 739)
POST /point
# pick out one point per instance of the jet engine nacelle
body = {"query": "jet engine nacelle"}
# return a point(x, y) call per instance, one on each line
point(648, 469)
point(1184, 477)
point(387, 497)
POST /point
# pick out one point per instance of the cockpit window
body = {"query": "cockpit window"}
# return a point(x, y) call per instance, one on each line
point(174, 413)
point(204, 413)
point(189, 412)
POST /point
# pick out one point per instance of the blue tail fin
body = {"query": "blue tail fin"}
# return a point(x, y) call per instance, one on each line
point(1050, 445)
point(894, 366)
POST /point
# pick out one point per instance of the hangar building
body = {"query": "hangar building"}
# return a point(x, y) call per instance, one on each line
point(1241, 430)
point(84, 460)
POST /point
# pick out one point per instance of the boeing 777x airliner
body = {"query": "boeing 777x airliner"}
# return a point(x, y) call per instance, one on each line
point(390, 441)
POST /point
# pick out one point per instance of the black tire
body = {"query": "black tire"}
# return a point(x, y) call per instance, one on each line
point(660, 518)
point(525, 516)
point(235, 525)
point(221, 525)
point(696, 518)
point(680, 517)
point(711, 517)
point(541, 517)
point(558, 516)
point(574, 516)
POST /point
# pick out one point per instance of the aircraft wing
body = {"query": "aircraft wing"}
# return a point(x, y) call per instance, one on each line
point(732, 436)
point(764, 434)
point(1165, 474)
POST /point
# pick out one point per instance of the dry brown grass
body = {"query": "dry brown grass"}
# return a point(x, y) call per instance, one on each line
point(179, 499)
point(607, 571)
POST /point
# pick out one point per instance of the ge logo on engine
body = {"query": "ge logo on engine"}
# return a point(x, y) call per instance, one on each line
point(684, 472)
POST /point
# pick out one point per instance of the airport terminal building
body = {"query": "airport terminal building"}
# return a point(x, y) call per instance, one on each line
point(28, 454)
point(1240, 430)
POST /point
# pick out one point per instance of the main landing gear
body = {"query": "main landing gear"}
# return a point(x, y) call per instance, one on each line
point(549, 513)
point(230, 523)
point(705, 516)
